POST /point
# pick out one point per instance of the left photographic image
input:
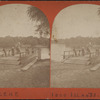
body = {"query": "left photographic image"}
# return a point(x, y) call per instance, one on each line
point(24, 47)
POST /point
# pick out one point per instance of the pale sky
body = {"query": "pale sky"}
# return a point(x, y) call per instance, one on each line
point(14, 21)
point(77, 20)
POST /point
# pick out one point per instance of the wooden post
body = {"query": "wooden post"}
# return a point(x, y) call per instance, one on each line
point(69, 54)
point(64, 55)
point(39, 53)
point(20, 57)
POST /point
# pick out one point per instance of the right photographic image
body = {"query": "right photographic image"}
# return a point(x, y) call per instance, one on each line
point(75, 47)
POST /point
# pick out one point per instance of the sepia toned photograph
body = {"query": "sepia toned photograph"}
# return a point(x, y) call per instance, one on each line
point(75, 47)
point(24, 47)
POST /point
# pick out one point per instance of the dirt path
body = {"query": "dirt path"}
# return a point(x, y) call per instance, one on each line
point(74, 76)
point(36, 76)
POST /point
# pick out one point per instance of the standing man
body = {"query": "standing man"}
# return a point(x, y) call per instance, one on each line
point(13, 51)
point(83, 52)
point(4, 52)
point(89, 52)
point(75, 53)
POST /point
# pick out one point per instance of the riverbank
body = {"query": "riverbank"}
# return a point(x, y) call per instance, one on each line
point(74, 76)
point(36, 76)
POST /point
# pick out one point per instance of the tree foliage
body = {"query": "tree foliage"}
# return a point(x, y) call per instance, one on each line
point(79, 41)
point(42, 22)
point(8, 41)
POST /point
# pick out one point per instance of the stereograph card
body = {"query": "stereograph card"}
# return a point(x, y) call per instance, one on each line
point(49, 49)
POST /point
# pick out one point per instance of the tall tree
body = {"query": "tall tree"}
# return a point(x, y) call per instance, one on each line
point(42, 22)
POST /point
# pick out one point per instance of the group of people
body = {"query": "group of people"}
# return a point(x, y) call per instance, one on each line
point(85, 50)
point(81, 52)
point(16, 50)
point(10, 52)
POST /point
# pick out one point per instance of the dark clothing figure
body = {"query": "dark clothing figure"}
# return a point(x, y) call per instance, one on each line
point(79, 53)
point(4, 52)
point(13, 51)
point(33, 50)
point(18, 50)
point(83, 52)
point(75, 53)
point(9, 52)
point(39, 54)
point(89, 52)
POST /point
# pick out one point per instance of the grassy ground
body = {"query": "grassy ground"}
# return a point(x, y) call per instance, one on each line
point(74, 76)
point(36, 76)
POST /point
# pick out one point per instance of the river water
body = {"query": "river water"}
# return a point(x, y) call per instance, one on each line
point(45, 53)
point(57, 51)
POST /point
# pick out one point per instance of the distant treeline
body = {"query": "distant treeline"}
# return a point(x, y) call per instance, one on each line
point(78, 41)
point(8, 41)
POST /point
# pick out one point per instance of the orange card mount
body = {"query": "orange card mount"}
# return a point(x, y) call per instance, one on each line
point(30, 68)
